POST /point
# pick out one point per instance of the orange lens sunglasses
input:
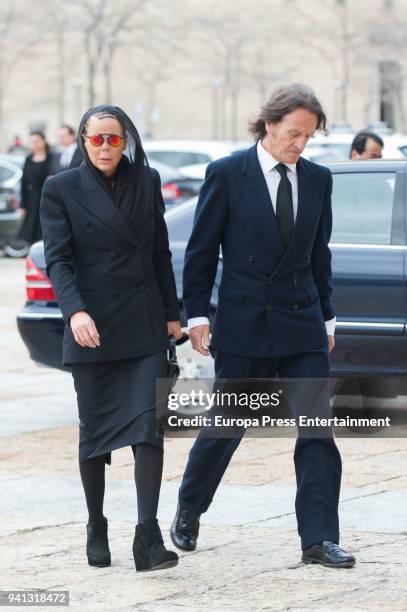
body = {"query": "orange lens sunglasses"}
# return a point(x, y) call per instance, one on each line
point(114, 140)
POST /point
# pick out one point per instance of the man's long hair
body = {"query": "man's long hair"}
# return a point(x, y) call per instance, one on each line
point(283, 101)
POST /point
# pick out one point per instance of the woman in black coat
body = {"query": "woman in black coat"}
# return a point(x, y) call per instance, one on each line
point(37, 167)
point(107, 254)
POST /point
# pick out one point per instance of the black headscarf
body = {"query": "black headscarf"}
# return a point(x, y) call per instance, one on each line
point(133, 181)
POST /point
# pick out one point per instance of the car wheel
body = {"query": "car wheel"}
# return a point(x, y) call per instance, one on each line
point(16, 251)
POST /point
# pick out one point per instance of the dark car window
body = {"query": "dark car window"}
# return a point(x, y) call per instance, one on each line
point(362, 204)
point(176, 159)
point(180, 222)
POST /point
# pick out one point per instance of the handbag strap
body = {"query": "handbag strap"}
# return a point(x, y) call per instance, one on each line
point(172, 349)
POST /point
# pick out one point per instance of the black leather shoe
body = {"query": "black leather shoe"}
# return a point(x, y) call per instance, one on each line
point(185, 529)
point(329, 555)
point(149, 551)
point(97, 546)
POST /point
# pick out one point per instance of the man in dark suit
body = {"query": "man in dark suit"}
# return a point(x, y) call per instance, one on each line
point(70, 156)
point(270, 212)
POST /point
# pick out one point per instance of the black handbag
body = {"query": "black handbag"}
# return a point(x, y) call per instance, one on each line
point(173, 367)
point(164, 386)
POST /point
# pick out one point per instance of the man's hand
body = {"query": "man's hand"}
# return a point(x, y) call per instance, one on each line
point(200, 340)
point(174, 329)
point(84, 329)
point(331, 343)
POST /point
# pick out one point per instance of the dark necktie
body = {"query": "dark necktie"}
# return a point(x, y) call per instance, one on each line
point(284, 205)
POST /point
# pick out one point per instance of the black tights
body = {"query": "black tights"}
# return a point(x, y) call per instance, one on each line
point(148, 468)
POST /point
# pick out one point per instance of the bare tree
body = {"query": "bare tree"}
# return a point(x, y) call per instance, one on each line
point(327, 31)
point(93, 13)
point(62, 28)
point(17, 39)
point(223, 58)
point(236, 53)
point(160, 40)
point(119, 31)
point(106, 26)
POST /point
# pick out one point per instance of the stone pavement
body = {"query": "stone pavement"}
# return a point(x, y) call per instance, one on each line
point(248, 557)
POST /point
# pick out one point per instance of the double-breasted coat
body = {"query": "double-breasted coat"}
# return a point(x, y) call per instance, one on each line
point(97, 262)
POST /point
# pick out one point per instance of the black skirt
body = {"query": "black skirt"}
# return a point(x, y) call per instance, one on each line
point(117, 404)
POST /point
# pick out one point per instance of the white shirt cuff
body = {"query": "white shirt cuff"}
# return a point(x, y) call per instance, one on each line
point(330, 326)
point(195, 321)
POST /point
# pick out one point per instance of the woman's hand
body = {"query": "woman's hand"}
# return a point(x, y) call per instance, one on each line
point(84, 329)
point(174, 329)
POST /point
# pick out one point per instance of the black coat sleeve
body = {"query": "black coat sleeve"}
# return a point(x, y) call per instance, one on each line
point(57, 235)
point(321, 254)
point(162, 255)
point(24, 199)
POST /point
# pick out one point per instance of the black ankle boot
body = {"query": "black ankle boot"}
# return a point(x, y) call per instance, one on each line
point(149, 551)
point(97, 547)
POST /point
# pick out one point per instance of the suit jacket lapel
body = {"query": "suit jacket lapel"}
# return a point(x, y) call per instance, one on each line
point(257, 194)
point(95, 200)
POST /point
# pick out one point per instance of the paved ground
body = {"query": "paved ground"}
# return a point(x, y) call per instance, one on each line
point(248, 557)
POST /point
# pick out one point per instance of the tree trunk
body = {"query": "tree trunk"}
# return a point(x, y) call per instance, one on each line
point(107, 69)
point(61, 73)
point(91, 69)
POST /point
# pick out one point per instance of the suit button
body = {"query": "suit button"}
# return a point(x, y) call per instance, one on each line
point(141, 287)
point(251, 257)
point(268, 306)
point(295, 306)
point(112, 252)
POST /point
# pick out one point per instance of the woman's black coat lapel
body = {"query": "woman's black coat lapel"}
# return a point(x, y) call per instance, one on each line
point(95, 199)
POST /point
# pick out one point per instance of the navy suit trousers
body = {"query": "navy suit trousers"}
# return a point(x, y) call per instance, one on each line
point(317, 461)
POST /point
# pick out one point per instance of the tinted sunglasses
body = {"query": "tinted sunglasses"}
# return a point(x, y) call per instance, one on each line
point(114, 140)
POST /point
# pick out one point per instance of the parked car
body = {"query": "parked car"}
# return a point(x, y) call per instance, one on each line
point(369, 248)
point(337, 146)
point(396, 141)
point(13, 158)
point(175, 187)
point(10, 213)
point(181, 154)
point(322, 155)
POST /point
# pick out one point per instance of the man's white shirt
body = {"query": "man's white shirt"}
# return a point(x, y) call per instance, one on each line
point(268, 165)
point(67, 155)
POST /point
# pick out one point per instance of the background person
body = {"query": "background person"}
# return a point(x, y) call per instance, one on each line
point(37, 167)
point(107, 254)
point(17, 147)
point(366, 145)
point(70, 156)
